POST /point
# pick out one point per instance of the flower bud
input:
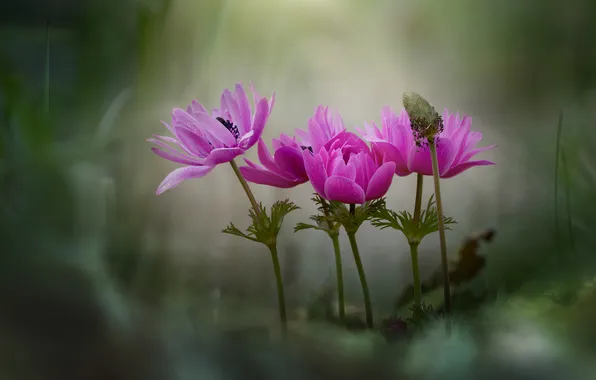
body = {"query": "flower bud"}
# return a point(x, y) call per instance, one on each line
point(425, 121)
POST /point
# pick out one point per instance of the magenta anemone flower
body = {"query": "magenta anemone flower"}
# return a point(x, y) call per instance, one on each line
point(456, 145)
point(322, 127)
point(357, 179)
point(202, 140)
point(285, 168)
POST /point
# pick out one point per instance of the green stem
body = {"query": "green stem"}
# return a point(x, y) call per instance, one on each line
point(362, 275)
point(444, 265)
point(339, 275)
point(418, 201)
point(246, 188)
point(281, 299)
point(416, 276)
point(415, 242)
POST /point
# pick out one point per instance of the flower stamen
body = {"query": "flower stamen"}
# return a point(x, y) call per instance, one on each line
point(230, 127)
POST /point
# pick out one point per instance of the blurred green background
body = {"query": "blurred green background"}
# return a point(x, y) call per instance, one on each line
point(84, 83)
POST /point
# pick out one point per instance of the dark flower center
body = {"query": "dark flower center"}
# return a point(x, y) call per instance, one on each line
point(230, 127)
point(304, 147)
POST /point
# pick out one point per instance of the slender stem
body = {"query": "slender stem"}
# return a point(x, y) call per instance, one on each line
point(414, 243)
point(339, 276)
point(339, 273)
point(246, 188)
point(416, 276)
point(444, 265)
point(281, 299)
point(418, 201)
point(362, 275)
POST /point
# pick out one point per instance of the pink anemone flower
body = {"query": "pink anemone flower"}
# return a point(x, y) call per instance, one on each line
point(202, 141)
point(395, 142)
point(285, 168)
point(353, 178)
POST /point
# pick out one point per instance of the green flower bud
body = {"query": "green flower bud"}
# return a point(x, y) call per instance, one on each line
point(424, 119)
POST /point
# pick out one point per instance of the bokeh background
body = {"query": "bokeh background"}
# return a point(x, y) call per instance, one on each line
point(84, 83)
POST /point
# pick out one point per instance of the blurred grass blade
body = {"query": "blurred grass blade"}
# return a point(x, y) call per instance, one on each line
point(46, 92)
point(557, 154)
point(568, 201)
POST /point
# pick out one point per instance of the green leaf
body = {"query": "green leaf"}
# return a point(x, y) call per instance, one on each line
point(404, 221)
point(233, 230)
point(305, 226)
point(264, 229)
point(279, 210)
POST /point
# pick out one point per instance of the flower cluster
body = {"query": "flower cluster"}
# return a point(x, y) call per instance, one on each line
point(339, 164)
point(342, 167)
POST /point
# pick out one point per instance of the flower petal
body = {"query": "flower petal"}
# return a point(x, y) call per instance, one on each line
point(181, 174)
point(195, 107)
point(344, 190)
point(380, 181)
point(267, 159)
point(219, 135)
point(383, 152)
point(457, 169)
point(419, 160)
point(175, 156)
point(262, 176)
point(194, 143)
point(290, 161)
point(243, 108)
point(315, 169)
point(472, 152)
point(222, 155)
point(261, 115)
point(229, 103)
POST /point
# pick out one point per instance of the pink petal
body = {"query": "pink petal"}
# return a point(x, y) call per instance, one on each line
point(419, 160)
point(176, 157)
point(216, 130)
point(303, 136)
point(265, 177)
point(195, 107)
point(222, 155)
point(170, 128)
point(266, 158)
point(243, 107)
point(261, 115)
point(380, 181)
point(471, 153)
point(457, 169)
point(393, 154)
point(315, 169)
point(287, 140)
point(289, 160)
point(252, 164)
point(166, 151)
point(344, 190)
point(194, 143)
point(181, 174)
point(163, 140)
point(229, 103)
